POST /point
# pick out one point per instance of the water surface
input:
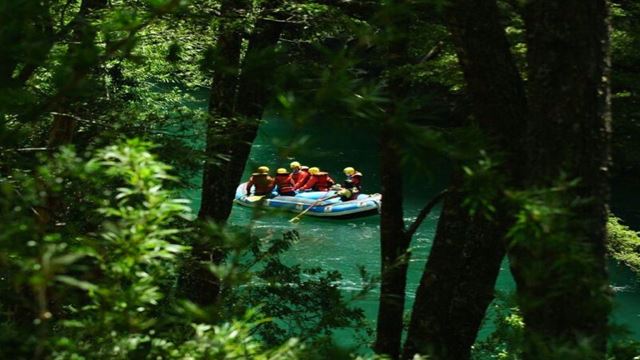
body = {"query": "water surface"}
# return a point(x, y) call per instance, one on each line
point(344, 244)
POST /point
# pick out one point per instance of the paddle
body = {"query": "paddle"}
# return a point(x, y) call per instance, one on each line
point(297, 218)
point(254, 198)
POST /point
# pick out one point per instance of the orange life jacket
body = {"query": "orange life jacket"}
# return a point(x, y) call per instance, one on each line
point(300, 178)
point(284, 183)
point(319, 182)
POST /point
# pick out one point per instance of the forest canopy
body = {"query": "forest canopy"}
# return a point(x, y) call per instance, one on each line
point(482, 139)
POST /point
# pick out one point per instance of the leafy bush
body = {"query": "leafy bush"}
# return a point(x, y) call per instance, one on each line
point(505, 342)
point(623, 244)
point(90, 258)
point(106, 293)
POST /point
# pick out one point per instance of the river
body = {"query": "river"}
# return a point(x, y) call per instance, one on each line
point(344, 244)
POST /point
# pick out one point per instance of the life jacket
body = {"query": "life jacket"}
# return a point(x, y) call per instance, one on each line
point(284, 183)
point(319, 182)
point(354, 181)
point(300, 178)
point(262, 182)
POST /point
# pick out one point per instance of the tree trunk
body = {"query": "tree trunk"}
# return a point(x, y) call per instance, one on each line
point(235, 118)
point(394, 255)
point(394, 243)
point(561, 273)
point(459, 278)
point(198, 283)
point(231, 130)
point(216, 198)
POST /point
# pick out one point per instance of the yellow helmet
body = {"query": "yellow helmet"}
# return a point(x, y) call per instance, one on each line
point(294, 165)
point(349, 170)
point(314, 170)
point(281, 171)
point(263, 169)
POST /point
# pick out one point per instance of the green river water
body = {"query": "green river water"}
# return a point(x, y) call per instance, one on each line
point(344, 244)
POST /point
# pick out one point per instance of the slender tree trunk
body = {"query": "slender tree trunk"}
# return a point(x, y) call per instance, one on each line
point(394, 253)
point(198, 283)
point(459, 278)
point(235, 117)
point(260, 62)
point(216, 198)
point(393, 240)
point(561, 275)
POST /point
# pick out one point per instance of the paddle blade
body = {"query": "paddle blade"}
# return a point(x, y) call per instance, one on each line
point(254, 198)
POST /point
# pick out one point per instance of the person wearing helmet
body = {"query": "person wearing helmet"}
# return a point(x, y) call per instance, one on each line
point(262, 182)
point(352, 184)
point(299, 175)
point(354, 178)
point(284, 183)
point(319, 181)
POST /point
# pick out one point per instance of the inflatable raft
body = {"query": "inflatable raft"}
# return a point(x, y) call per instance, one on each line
point(333, 207)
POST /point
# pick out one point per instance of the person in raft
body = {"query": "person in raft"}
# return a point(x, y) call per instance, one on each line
point(319, 181)
point(299, 175)
point(261, 181)
point(304, 169)
point(353, 180)
point(352, 184)
point(284, 183)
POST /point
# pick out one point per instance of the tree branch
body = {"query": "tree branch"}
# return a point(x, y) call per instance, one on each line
point(435, 51)
point(424, 212)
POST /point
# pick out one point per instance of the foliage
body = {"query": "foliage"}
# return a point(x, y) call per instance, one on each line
point(306, 302)
point(506, 341)
point(623, 244)
point(92, 242)
point(111, 292)
point(107, 293)
point(625, 42)
point(482, 185)
point(227, 341)
point(109, 85)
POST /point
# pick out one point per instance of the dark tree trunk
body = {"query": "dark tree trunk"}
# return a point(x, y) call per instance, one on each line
point(394, 255)
point(458, 282)
point(459, 278)
point(216, 197)
point(235, 117)
point(238, 98)
point(198, 283)
point(394, 242)
point(561, 275)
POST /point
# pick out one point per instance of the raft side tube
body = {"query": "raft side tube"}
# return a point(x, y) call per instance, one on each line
point(363, 205)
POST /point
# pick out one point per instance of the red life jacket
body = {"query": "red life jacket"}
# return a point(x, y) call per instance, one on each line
point(319, 182)
point(354, 180)
point(284, 183)
point(262, 182)
point(300, 178)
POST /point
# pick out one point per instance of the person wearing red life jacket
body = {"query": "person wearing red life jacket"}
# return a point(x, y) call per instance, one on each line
point(353, 184)
point(262, 182)
point(354, 178)
point(299, 175)
point(319, 181)
point(284, 183)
